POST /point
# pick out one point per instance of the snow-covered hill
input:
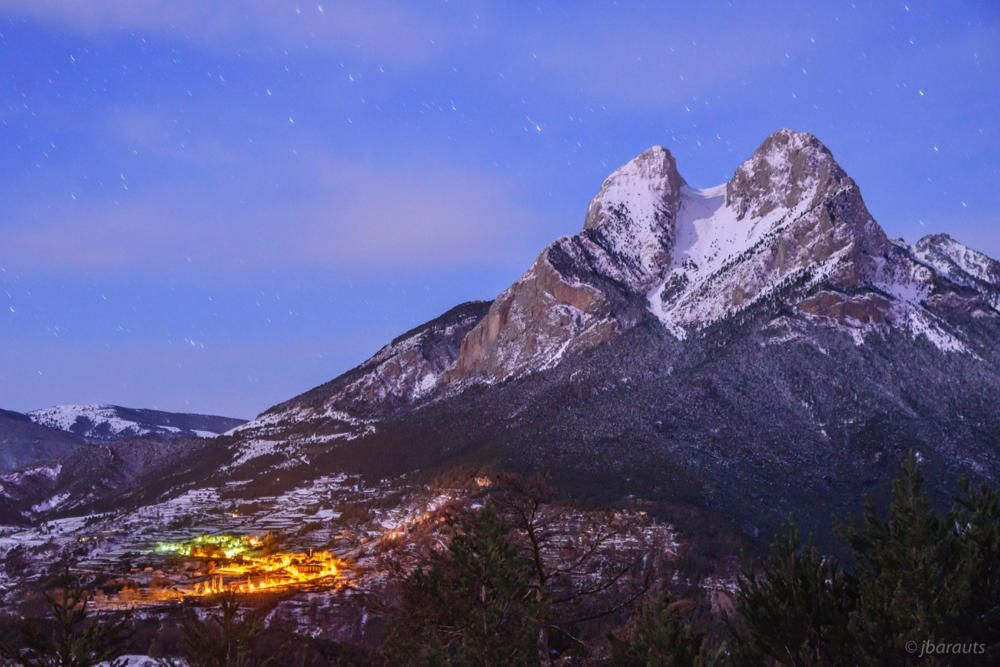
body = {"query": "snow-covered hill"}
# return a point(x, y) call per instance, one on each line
point(111, 422)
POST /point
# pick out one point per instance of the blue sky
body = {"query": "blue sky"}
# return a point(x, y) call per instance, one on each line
point(213, 206)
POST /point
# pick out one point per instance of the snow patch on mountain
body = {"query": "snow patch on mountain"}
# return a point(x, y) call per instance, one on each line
point(920, 323)
point(51, 503)
point(64, 417)
point(708, 230)
point(710, 276)
point(709, 234)
point(272, 422)
point(254, 449)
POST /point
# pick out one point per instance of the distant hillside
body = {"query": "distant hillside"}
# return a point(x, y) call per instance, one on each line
point(112, 422)
point(23, 442)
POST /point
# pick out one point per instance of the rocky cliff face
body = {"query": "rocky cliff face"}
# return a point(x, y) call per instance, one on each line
point(579, 291)
point(790, 227)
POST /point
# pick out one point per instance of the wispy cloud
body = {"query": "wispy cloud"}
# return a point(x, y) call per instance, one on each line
point(153, 135)
point(397, 34)
point(400, 215)
point(614, 56)
point(408, 214)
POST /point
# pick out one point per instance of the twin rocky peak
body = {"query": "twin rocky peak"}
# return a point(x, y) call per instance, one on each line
point(790, 225)
point(789, 233)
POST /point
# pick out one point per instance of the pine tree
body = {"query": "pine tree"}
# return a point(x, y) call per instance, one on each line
point(70, 636)
point(658, 635)
point(976, 518)
point(794, 610)
point(920, 577)
point(907, 582)
point(473, 605)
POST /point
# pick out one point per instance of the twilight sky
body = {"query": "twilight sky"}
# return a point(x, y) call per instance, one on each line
point(213, 206)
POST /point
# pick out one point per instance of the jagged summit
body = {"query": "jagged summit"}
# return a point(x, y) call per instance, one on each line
point(786, 169)
point(790, 214)
point(959, 262)
point(647, 185)
point(634, 211)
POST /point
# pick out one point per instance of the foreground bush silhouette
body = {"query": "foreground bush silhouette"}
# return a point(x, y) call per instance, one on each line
point(70, 636)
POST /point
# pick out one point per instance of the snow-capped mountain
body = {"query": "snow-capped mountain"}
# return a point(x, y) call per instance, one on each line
point(750, 349)
point(789, 226)
point(790, 230)
point(112, 422)
point(761, 331)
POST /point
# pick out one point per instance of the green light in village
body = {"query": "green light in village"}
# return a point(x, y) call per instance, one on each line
point(230, 546)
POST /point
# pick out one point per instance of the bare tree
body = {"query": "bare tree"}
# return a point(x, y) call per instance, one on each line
point(588, 565)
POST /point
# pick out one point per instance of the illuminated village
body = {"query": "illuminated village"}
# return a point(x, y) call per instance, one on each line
point(242, 564)
point(294, 548)
point(212, 564)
